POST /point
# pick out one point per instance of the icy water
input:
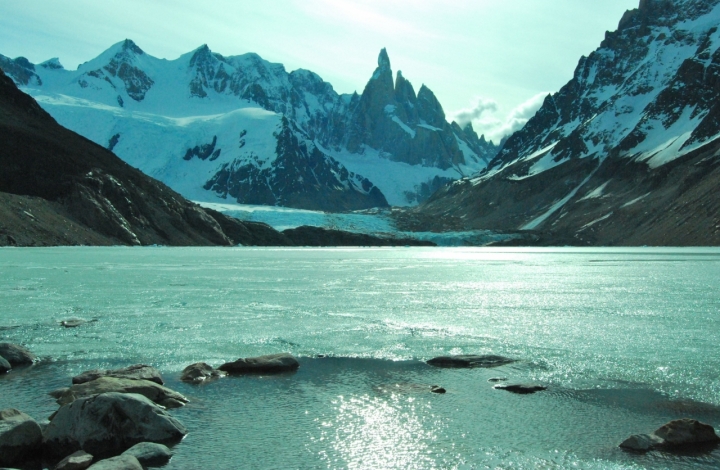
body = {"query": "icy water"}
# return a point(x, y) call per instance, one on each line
point(625, 339)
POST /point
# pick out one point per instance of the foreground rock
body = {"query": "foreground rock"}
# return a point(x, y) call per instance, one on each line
point(150, 454)
point(469, 360)
point(20, 437)
point(678, 435)
point(136, 372)
point(79, 460)
point(151, 390)
point(16, 355)
point(108, 424)
point(272, 363)
point(4, 365)
point(121, 462)
point(200, 372)
point(522, 389)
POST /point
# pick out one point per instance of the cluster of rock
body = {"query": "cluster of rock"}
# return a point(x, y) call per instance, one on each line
point(679, 435)
point(108, 419)
point(468, 361)
point(112, 419)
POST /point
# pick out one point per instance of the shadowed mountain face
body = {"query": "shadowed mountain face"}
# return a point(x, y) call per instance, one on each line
point(58, 188)
point(625, 154)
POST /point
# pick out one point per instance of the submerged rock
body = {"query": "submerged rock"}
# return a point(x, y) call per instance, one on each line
point(522, 389)
point(73, 322)
point(272, 363)
point(470, 360)
point(4, 365)
point(16, 355)
point(108, 424)
point(121, 462)
point(79, 460)
point(678, 435)
point(150, 454)
point(136, 372)
point(20, 437)
point(200, 372)
point(151, 390)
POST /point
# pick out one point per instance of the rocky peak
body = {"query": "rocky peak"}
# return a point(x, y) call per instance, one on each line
point(130, 46)
point(53, 64)
point(429, 108)
point(21, 70)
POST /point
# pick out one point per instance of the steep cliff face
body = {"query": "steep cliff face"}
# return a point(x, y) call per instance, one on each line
point(625, 153)
point(390, 118)
point(161, 116)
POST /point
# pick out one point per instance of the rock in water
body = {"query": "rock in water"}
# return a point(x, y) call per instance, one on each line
point(641, 442)
point(16, 355)
point(151, 390)
point(469, 360)
point(20, 437)
point(108, 424)
point(72, 323)
point(680, 434)
point(121, 462)
point(137, 372)
point(4, 365)
point(200, 372)
point(150, 454)
point(522, 389)
point(79, 460)
point(272, 363)
point(683, 432)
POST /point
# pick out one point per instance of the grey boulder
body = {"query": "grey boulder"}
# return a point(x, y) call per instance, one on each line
point(199, 373)
point(469, 360)
point(151, 390)
point(121, 462)
point(522, 389)
point(272, 363)
point(4, 365)
point(108, 424)
point(679, 434)
point(136, 372)
point(16, 355)
point(20, 437)
point(150, 454)
point(79, 460)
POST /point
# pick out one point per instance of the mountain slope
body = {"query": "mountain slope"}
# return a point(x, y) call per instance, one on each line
point(58, 188)
point(625, 153)
point(210, 127)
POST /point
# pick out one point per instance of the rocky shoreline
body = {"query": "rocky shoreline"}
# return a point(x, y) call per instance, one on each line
point(120, 418)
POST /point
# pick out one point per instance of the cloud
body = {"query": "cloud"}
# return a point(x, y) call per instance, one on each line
point(495, 128)
point(465, 116)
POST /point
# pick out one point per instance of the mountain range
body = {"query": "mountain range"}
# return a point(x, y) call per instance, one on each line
point(241, 129)
point(626, 153)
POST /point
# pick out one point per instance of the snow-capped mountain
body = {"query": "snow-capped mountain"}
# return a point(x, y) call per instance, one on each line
point(625, 153)
point(243, 129)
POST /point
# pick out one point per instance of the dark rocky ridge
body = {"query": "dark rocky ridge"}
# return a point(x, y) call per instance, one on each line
point(601, 188)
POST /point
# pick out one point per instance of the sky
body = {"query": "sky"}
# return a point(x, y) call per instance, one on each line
point(489, 62)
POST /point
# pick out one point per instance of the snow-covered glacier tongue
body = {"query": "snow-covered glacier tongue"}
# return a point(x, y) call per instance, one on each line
point(243, 130)
point(625, 153)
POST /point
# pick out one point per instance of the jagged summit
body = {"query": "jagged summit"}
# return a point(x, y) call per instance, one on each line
point(384, 60)
point(53, 63)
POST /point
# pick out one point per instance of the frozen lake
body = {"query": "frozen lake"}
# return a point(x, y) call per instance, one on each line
point(625, 339)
